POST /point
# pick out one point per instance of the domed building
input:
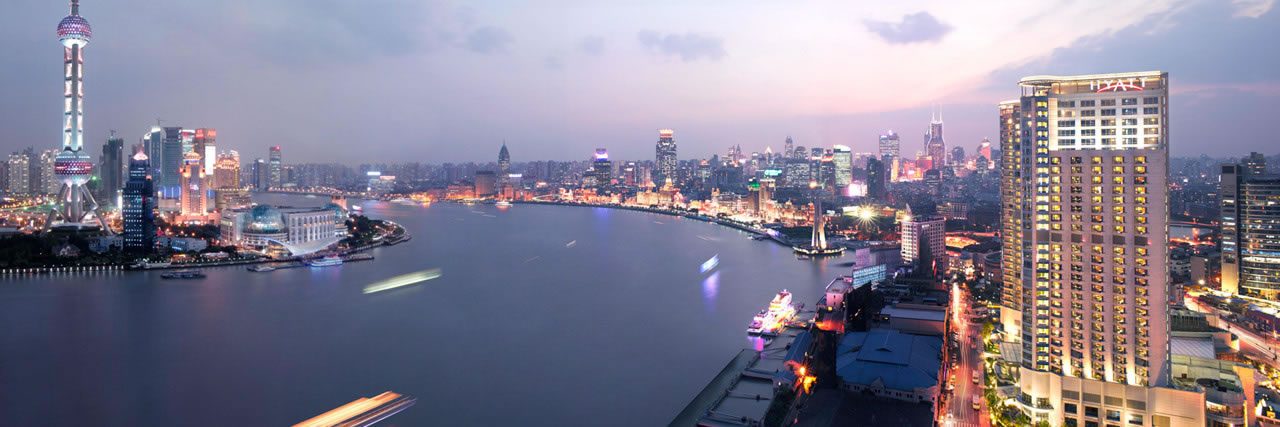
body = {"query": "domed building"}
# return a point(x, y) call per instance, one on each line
point(284, 231)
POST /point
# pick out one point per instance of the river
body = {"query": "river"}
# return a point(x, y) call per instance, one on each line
point(618, 327)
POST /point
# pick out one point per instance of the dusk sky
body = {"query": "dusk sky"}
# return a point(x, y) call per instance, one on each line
point(405, 80)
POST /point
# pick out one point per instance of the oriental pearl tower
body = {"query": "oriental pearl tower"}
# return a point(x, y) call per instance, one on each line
point(73, 166)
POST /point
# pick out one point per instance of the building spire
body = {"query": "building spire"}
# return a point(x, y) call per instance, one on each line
point(75, 7)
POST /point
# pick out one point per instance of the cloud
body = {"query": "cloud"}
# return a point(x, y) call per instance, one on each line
point(488, 40)
point(1252, 8)
point(553, 62)
point(914, 28)
point(592, 45)
point(689, 47)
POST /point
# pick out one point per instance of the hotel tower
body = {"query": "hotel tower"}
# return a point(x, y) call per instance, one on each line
point(1084, 198)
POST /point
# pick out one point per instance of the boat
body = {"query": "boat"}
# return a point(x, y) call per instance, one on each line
point(153, 265)
point(262, 268)
point(774, 317)
point(503, 204)
point(328, 261)
point(184, 274)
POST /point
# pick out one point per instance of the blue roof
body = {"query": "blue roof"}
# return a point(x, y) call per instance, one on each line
point(795, 353)
point(900, 361)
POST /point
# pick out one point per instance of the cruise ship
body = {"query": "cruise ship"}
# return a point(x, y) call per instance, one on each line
point(772, 319)
point(328, 261)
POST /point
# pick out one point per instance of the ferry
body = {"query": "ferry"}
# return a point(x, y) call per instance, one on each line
point(772, 319)
point(503, 204)
point(262, 268)
point(328, 261)
point(151, 265)
point(185, 274)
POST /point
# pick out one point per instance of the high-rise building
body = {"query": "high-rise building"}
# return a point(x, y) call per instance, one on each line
point(138, 210)
point(171, 155)
point(153, 147)
point(111, 170)
point(277, 164)
point(842, 159)
point(48, 182)
point(206, 145)
point(924, 239)
point(875, 179)
point(226, 172)
point(889, 154)
point(788, 147)
point(19, 173)
point(984, 149)
point(1089, 187)
point(194, 195)
point(602, 168)
point(261, 175)
point(1254, 164)
point(485, 184)
point(1015, 214)
point(665, 165)
point(1250, 243)
point(957, 156)
point(504, 165)
point(936, 148)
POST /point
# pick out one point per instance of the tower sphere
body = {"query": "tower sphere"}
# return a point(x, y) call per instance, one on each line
point(74, 30)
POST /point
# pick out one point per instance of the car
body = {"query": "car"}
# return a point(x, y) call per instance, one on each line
point(977, 378)
point(977, 402)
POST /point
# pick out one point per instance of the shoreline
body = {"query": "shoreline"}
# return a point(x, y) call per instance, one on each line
point(724, 222)
point(391, 239)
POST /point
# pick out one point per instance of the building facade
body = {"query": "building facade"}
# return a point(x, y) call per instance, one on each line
point(138, 208)
point(924, 239)
point(665, 163)
point(1250, 202)
point(1086, 198)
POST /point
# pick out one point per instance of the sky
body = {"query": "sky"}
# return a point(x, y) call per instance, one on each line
point(363, 81)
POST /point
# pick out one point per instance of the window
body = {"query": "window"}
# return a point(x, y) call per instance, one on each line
point(1086, 113)
point(1066, 123)
point(1150, 131)
point(1151, 110)
point(1110, 132)
point(1089, 132)
point(1086, 103)
point(1069, 408)
point(1108, 102)
point(1107, 112)
point(1066, 104)
point(1090, 411)
point(1128, 122)
point(1151, 100)
point(1113, 415)
point(1087, 123)
point(1128, 111)
point(1066, 132)
point(1129, 131)
point(1148, 121)
point(1108, 122)
point(1129, 101)
point(1135, 419)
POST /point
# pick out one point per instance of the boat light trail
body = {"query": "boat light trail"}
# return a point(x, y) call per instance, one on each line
point(403, 280)
point(711, 263)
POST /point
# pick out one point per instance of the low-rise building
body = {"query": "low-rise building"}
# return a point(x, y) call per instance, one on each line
point(891, 364)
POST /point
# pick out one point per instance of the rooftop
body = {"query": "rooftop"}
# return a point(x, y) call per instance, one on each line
point(897, 360)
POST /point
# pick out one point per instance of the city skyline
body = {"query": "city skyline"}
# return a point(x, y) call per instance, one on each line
point(536, 92)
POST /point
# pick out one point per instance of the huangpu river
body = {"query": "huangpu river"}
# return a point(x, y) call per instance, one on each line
point(543, 315)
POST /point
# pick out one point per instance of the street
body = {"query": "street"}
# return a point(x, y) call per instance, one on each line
point(961, 412)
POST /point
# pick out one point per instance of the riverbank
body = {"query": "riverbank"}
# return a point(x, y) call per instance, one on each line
point(762, 232)
point(396, 236)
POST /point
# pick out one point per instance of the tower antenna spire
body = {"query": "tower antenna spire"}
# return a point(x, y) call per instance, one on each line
point(75, 7)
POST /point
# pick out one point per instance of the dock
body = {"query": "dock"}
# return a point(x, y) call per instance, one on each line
point(741, 393)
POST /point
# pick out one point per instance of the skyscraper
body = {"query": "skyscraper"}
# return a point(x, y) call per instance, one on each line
point(936, 149)
point(889, 149)
point(72, 165)
point(194, 197)
point(1091, 249)
point(261, 175)
point(923, 239)
point(984, 149)
point(602, 168)
point(47, 180)
point(957, 156)
point(19, 173)
point(665, 165)
point(875, 179)
point(206, 145)
point(504, 167)
point(111, 169)
point(1254, 164)
point(276, 178)
point(171, 155)
point(842, 159)
point(788, 147)
point(1250, 244)
point(227, 170)
point(138, 210)
point(1014, 213)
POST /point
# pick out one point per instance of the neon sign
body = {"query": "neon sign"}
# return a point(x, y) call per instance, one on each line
point(1121, 85)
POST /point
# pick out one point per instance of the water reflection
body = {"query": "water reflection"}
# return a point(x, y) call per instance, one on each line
point(710, 287)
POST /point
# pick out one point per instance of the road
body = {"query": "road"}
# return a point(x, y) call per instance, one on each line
point(1252, 346)
point(961, 412)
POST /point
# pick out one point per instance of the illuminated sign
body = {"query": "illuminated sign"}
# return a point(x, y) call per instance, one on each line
point(772, 172)
point(373, 173)
point(1121, 85)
